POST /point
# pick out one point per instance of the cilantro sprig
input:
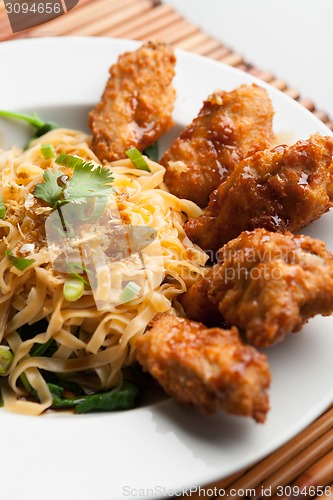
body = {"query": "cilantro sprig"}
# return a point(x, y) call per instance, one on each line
point(50, 191)
point(40, 125)
point(87, 181)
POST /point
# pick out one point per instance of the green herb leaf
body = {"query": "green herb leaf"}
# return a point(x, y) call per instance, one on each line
point(87, 180)
point(137, 159)
point(34, 120)
point(122, 399)
point(50, 191)
point(3, 209)
point(47, 151)
point(19, 262)
point(152, 151)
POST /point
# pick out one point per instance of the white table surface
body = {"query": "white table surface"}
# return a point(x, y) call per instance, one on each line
point(291, 38)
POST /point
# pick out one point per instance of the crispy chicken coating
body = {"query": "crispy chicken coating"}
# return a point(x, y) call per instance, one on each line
point(267, 284)
point(137, 103)
point(210, 368)
point(283, 189)
point(229, 127)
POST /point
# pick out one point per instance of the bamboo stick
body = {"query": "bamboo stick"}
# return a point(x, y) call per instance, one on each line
point(300, 463)
point(174, 36)
point(319, 474)
point(85, 15)
point(287, 452)
point(172, 33)
point(243, 67)
point(321, 115)
point(307, 103)
point(205, 48)
point(154, 19)
point(103, 25)
point(263, 75)
point(153, 31)
point(220, 52)
point(292, 93)
point(193, 41)
point(232, 59)
point(279, 84)
point(329, 496)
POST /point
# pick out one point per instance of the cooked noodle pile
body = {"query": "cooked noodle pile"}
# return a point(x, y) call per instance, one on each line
point(92, 344)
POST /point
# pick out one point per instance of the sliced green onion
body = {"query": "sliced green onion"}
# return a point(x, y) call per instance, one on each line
point(73, 289)
point(69, 161)
point(19, 262)
point(6, 357)
point(76, 271)
point(26, 384)
point(2, 208)
point(137, 159)
point(40, 349)
point(47, 151)
point(130, 291)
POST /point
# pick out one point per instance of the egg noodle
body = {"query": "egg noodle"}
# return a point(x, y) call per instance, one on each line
point(93, 343)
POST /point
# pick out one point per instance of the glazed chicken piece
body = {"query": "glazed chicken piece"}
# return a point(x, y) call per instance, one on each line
point(267, 284)
point(229, 127)
point(137, 103)
point(283, 189)
point(210, 368)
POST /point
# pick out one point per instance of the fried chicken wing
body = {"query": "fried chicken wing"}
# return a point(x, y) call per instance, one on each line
point(267, 284)
point(137, 103)
point(210, 368)
point(229, 127)
point(281, 189)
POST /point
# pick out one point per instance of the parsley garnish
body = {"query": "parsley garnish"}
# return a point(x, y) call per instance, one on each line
point(86, 182)
point(2, 208)
point(19, 262)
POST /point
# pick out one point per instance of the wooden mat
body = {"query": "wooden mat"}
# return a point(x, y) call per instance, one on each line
point(308, 458)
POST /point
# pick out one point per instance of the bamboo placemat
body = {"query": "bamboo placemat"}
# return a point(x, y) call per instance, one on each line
point(306, 460)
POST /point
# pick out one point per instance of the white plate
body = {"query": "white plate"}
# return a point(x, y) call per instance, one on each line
point(94, 457)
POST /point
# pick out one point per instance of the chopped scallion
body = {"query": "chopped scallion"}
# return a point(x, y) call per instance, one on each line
point(6, 357)
point(2, 209)
point(76, 270)
point(73, 289)
point(19, 262)
point(47, 151)
point(130, 291)
point(137, 159)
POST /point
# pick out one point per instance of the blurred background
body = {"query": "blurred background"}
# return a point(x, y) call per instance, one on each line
point(290, 41)
point(291, 38)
